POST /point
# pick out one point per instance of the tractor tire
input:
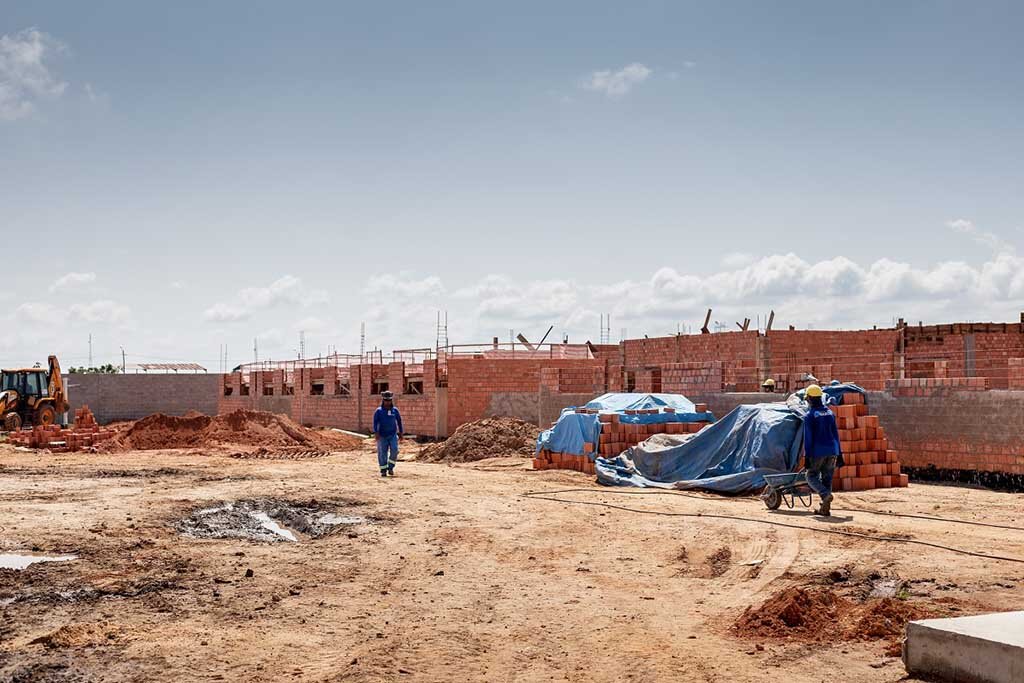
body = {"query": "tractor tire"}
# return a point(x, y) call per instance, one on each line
point(45, 415)
point(12, 422)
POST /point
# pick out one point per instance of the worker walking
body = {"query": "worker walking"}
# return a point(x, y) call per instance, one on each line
point(821, 447)
point(387, 428)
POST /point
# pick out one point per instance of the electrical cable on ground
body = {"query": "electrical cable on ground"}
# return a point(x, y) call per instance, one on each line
point(547, 495)
point(663, 492)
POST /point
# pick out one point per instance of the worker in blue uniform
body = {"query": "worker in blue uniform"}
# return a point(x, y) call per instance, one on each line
point(822, 452)
point(387, 428)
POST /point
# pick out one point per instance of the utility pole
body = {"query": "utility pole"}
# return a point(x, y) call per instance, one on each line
point(90, 349)
point(124, 365)
point(302, 344)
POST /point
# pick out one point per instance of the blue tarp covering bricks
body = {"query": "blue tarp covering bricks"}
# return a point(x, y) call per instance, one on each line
point(666, 441)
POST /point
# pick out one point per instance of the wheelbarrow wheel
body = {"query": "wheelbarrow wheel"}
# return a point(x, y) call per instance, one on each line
point(772, 498)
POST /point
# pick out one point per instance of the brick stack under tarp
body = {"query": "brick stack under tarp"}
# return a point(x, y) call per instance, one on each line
point(618, 433)
point(85, 433)
point(869, 462)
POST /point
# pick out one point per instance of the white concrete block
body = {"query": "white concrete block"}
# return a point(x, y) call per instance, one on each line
point(987, 648)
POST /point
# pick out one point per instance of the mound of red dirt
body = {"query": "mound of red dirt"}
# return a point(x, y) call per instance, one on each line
point(816, 613)
point(792, 612)
point(488, 438)
point(242, 427)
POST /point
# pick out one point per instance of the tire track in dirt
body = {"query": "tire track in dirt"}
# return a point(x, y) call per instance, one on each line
point(779, 549)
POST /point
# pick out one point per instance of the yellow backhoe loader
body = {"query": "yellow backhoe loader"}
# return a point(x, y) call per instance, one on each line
point(33, 396)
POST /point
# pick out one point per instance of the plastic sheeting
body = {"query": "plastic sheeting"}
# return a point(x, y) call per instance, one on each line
point(729, 456)
point(574, 429)
point(835, 391)
point(619, 403)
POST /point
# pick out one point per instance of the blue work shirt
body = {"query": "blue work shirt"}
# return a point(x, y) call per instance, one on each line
point(387, 421)
point(821, 437)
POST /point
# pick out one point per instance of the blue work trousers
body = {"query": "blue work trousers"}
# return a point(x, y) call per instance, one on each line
point(387, 451)
point(819, 474)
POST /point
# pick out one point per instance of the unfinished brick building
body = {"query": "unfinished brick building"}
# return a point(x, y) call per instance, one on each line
point(439, 390)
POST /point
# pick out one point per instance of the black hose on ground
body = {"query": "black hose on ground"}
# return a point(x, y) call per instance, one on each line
point(664, 492)
point(551, 496)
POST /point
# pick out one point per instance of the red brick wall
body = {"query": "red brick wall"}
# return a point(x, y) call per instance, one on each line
point(969, 350)
point(737, 351)
point(354, 411)
point(864, 357)
point(473, 381)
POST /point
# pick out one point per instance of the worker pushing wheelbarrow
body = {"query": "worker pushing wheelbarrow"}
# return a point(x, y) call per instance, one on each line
point(822, 454)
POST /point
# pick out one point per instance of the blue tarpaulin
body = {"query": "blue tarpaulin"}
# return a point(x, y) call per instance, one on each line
point(835, 391)
point(729, 456)
point(574, 429)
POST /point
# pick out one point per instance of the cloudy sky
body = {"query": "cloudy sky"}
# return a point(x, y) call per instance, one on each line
point(179, 176)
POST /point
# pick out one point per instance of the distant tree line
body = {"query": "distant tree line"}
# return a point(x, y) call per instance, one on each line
point(107, 369)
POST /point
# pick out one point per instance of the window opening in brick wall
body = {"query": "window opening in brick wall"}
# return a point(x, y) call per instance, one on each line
point(268, 391)
point(316, 389)
point(245, 390)
point(343, 389)
point(414, 386)
point(630, 382)
point(228, 391)
point(379, 386)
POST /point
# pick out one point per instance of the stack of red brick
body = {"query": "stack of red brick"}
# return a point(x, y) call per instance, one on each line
point(616, 436)
point(85, 433)
point(868, 461)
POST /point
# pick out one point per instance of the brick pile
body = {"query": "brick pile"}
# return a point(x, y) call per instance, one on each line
point(869, 462)
point(615, 437)
point(85, 433)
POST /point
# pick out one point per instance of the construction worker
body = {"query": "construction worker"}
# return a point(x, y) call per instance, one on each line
point(821, 447)
point(387, 428)
point(768, 386)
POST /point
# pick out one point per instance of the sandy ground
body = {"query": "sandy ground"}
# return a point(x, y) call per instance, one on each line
point(455, 575)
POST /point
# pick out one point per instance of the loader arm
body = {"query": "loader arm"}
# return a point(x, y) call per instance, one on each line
point(56, 388)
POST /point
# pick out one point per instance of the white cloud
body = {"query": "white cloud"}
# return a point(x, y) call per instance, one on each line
point(177, 284)
point(405, 284)
point(25, 76)
point(72, 280)
point(102, 311)
point(286, 290)
point(37, 312)
point(500, 298)
point(617, 83)
point(738, 259)
point(967, 227)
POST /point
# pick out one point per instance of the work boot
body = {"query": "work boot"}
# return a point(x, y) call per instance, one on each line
point(391, 471)
point(383, 472)
point(825, 509)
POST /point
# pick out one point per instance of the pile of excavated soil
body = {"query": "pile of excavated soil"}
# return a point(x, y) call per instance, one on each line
point(816, 613)
point(488, 438)
point(242, 427)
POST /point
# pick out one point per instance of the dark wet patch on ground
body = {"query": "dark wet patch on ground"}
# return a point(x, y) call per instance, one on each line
point(271, 520)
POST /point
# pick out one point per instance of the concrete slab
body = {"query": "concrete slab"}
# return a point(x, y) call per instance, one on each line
point(987, 648)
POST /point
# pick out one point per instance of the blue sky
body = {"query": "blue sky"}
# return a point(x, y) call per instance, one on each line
point(188, 176)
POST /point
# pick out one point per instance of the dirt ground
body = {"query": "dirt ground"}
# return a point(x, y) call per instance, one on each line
point(448, 572)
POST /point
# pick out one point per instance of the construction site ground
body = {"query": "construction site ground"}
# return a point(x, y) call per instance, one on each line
point(448, 572)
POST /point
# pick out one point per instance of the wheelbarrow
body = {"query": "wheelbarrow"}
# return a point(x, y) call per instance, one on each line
point(787, 488)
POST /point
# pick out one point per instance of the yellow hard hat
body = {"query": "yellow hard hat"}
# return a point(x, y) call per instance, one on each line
point(814, 391)
point(768, 383)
